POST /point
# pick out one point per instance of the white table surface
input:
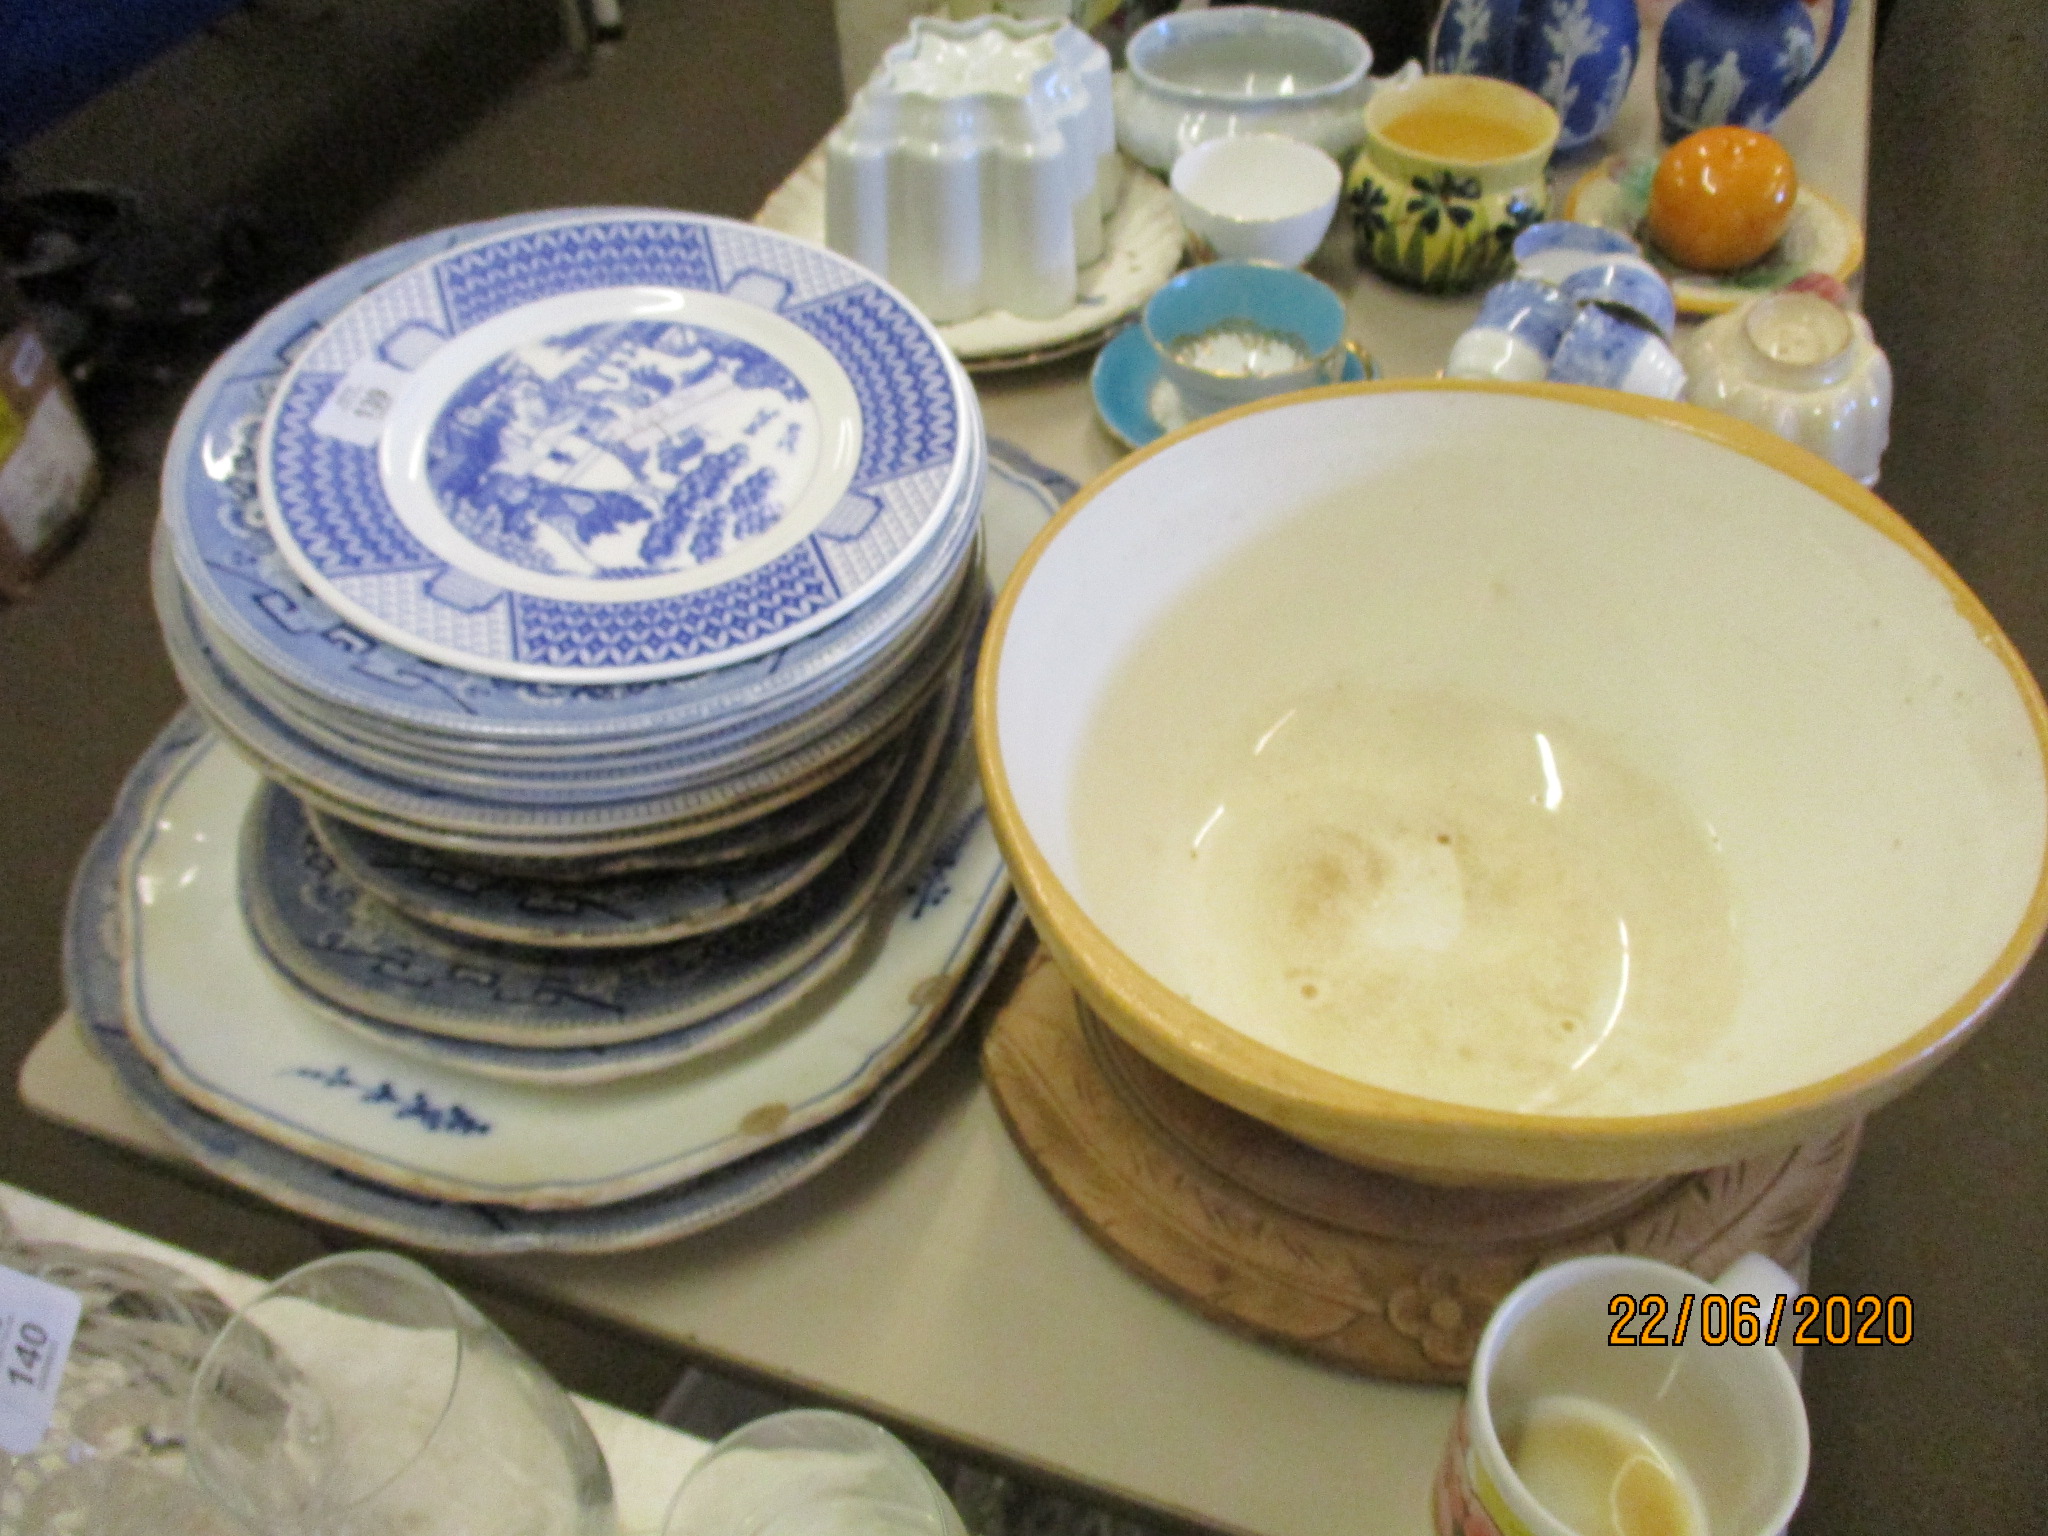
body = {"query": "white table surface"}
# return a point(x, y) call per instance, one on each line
point(647, 1460)
point(931, 1280)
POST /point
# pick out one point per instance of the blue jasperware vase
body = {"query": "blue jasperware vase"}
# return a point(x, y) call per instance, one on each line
point(1736, 61)
point(1577, 55)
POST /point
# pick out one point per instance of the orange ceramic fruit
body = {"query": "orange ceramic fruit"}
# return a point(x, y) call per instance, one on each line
point(1721, 198)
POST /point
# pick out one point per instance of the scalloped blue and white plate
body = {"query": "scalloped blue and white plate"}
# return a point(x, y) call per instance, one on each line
point(613, 448)
point(837, 803)
point(688, 778)
point(96, 981)
point(320, 928)
point(602, 912)
point(578, 1066)
point(228, 1036)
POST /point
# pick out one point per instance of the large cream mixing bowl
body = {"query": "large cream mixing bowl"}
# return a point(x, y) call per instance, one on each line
point(1504, 783)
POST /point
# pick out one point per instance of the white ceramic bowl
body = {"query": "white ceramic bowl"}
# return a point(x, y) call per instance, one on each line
point(1238, 69)
point(1736, 624)
point(1261, 197)
point(1803, 368)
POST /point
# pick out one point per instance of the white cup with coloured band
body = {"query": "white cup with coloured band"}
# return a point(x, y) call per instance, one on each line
point(1566, 1430)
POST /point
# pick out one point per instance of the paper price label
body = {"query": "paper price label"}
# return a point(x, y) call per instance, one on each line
point(37, 1320)
point(355, 412)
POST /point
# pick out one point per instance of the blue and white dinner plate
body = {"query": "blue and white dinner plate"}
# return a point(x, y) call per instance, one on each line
point(655, 906)
point(838, 802)
point(320, 928)
point(226, 1035)
point(613, 447)
point(1020, 496)
point(241, 582)
point(96, 979)
point(546, 823)
point(579, 1066)
point(744, 735)
point(870, 707)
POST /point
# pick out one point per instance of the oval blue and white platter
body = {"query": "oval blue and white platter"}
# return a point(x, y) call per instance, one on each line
point(578, 1066)
point(96, 983)
point(217, 1025)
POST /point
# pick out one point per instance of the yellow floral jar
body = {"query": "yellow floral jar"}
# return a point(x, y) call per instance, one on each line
point(1452, 169)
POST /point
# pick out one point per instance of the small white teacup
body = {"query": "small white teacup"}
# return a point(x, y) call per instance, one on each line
point(1256, 197)
point(1570, 1427)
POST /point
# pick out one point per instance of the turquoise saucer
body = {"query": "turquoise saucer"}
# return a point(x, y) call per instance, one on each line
point(1125, 375)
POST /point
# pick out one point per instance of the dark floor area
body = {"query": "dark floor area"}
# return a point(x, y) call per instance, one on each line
point(350, 124)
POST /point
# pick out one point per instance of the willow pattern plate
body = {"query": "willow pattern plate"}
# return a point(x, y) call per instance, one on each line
point(613, 447)
point(343, 946)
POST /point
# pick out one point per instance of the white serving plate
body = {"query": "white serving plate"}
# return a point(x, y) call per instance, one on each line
point(94, 967)
point(230, 1037)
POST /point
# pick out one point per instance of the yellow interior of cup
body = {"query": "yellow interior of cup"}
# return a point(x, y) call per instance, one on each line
point(1517, 113)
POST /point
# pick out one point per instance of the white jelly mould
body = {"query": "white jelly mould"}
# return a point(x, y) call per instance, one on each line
point(977, 166)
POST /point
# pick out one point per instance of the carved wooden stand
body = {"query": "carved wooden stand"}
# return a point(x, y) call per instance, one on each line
point(1363, 1268)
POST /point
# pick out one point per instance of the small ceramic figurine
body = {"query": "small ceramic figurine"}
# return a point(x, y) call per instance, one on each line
point(1578, 55)
point(1737, 61)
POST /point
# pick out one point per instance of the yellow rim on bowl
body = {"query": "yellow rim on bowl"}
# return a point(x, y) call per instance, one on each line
point(1440, 1138)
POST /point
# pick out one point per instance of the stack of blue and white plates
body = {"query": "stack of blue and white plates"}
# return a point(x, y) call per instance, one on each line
point(576, 840)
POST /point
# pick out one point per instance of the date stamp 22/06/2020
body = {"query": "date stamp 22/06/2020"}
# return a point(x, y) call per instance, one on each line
point(1746, 1319)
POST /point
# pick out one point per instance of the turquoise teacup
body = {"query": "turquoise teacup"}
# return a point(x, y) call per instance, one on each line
point(1237, 331)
